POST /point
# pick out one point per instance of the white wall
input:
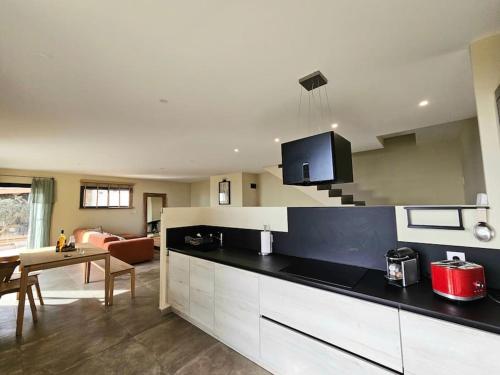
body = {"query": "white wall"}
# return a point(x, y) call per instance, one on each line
point(485, 58)
point(241, 193)
point(236, 186)
point(472, 161)
point(67, 214)
point(410, 171)
point(200, 193)
point(232, 217)
point(272, 193)
point(250, 196)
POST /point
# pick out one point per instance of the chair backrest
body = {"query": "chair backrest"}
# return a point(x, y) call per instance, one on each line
point(7, 267)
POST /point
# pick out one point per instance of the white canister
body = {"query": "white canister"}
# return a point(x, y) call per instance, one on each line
point(266, 241)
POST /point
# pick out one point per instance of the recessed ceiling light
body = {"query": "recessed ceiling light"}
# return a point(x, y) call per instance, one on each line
point(335, 126)
point(276, 140)
point(236, 150)
point(423, 103)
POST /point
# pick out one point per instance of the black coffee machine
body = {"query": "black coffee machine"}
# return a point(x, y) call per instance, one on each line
point(403, 267)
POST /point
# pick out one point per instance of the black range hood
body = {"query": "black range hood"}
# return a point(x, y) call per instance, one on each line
point(320, 159)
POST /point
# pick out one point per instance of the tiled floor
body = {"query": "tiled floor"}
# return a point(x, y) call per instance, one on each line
point(75, 334)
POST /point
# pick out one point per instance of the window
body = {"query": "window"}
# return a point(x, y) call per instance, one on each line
point(105, 195)
point(14, 216)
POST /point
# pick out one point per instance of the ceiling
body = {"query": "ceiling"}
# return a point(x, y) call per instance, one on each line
point(167, 89)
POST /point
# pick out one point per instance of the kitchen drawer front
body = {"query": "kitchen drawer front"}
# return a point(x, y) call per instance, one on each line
point(178, 281)
point(237, 309)
point(433, 346)
point(290, 353)
point(201, 292)
point(367, 329)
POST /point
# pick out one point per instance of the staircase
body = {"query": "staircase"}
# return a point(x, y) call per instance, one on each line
point(335, 194)
point(362, 195)
point(334, 191)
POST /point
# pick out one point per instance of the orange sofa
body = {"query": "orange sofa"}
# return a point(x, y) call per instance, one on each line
point(131, 251)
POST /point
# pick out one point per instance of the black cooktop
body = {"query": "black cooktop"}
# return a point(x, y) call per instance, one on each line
point(341, 275)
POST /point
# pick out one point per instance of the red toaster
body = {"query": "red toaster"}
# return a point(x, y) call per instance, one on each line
point(458, 280)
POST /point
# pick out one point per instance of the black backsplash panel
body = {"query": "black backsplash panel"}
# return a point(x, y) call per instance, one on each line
point(175, 236)
point(357, 236)
point(233, 237)
point(488, 258)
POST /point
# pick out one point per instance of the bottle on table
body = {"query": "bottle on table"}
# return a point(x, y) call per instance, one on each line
point(61, 241)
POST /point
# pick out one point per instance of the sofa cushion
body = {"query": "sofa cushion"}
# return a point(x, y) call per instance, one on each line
point(99, 239)
point(82, 234)
point(129, 236)
point(86, 235)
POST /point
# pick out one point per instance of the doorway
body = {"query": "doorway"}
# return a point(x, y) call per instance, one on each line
point(153, 203)
point(14, 217)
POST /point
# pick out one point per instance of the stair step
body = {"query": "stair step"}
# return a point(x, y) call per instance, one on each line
point(359, 203)
point(325, 187)
point(335, 193)
point(347, 199)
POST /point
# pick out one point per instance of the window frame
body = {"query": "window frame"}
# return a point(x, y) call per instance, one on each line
point(17, 240)
point(14, 184)
point(107, 186)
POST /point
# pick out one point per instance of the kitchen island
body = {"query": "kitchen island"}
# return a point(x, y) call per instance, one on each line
point(483, 314)
point(290, 324)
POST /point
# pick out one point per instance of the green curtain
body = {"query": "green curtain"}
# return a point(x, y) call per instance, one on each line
point(40, 202)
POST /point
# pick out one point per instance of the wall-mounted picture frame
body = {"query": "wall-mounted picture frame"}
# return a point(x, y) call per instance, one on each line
point(224, 192)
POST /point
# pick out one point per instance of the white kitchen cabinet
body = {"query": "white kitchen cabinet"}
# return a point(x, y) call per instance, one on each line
point(178, 281)
point(288, 352)
point(433, 346)
point(237, 309)
point(201, 292)
point(367, 329)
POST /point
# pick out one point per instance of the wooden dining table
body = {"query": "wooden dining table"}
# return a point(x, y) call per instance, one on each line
point(46, 258)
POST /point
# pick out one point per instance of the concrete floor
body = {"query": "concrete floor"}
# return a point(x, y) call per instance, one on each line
point(76, 334)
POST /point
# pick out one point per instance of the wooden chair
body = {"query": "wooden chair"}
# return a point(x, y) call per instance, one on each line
point(7, 267)
point(34, 275)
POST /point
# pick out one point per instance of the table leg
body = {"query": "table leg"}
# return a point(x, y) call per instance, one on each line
point(132, 282)
point(22, 299)
point(87, 273)
point(107, 272)
point(111, 290)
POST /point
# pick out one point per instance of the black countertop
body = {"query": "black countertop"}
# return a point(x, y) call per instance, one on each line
point(419, 298)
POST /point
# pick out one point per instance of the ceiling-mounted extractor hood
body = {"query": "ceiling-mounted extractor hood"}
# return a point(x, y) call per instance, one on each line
point(319, 159)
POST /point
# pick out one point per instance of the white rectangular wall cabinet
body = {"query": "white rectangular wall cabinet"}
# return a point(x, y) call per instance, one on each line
point(365, 328)
point(201, 292)
point(237, 309)
point(435, 347)
point(178, 282)
point(288, 352)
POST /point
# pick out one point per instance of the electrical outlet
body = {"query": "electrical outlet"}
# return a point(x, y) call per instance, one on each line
point(454, 255)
